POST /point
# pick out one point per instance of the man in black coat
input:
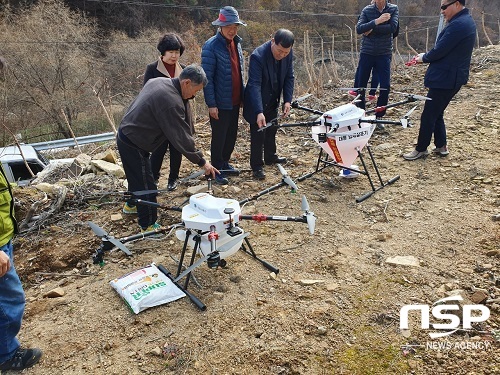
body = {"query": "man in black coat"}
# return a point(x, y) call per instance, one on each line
point(270, 75)
point(449, 65)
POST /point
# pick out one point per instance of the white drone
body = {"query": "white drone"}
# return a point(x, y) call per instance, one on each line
point(211, 227)
point(343, 132)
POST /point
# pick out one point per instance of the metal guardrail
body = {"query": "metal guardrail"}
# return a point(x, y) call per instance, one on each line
point(70, 142)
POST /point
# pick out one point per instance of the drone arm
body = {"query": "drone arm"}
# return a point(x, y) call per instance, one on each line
point(261, 193)
point(297, 124)
point(155, 204)
point(149, 233)
point(261, 217)
point(295, 104)
point(377, 121)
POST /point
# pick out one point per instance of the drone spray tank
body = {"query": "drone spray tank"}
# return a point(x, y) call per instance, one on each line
point(214, 219)
point(342, 133)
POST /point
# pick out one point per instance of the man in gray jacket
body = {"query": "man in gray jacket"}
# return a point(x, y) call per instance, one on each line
point(161, 112)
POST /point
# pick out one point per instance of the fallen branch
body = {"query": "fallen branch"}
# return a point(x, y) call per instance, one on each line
point(60, 192)
point(31, 212)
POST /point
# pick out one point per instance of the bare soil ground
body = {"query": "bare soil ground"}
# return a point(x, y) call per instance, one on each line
point(442, 211)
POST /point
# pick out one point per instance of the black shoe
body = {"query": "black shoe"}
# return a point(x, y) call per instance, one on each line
point(221, 179)
point(230, 170)
point(172, 185)
point(276, 160)
point(259, 174)
point(23, 358)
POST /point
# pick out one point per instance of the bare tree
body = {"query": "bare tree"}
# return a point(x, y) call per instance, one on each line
point(52, 54)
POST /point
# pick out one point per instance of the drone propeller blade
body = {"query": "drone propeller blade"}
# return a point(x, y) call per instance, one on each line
point(413, 96)
point(420, 97)
point(229, 245)
point(305, 204)
point(286, 179)
point(311, 222)
point(311, 219)
point(408, 114)
point(191, 176)
point(302, 98)
point(98, 231)
point(101, 233)
point(119, 245)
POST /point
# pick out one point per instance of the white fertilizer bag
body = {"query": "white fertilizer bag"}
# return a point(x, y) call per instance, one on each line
point(146, 288)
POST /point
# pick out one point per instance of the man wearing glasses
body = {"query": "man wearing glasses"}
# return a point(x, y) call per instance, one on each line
point(448, 70)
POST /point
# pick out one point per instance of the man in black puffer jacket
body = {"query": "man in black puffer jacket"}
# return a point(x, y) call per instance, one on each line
point(378, 22)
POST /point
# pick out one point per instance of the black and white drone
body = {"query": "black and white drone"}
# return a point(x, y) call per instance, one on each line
point(211, 226)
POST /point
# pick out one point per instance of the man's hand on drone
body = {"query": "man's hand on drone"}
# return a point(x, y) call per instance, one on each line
point(210, 170)
point(286, 109)
point(420, 57)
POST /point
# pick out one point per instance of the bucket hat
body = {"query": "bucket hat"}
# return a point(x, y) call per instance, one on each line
point(228, 16)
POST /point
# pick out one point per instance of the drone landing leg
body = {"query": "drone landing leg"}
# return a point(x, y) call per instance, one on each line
point(183, 252)
point(382, 184)
point(197, 242)
point(253, 255)
point(193, 298)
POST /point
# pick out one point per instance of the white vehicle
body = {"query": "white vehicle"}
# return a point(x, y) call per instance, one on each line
point(14, 166)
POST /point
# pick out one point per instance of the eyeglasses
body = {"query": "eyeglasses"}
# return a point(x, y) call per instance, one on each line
point(444, 7)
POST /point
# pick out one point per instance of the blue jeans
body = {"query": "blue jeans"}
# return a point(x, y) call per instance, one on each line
point(12, 303)
point(381, 65)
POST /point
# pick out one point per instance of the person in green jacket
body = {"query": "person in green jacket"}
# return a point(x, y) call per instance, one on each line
point(12, 300)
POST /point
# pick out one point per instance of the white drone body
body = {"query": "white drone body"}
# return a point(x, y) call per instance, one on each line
point(346, 133)
point(345, 115)
point(206, 213)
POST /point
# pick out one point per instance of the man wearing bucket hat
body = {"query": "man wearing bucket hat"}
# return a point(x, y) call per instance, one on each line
point(222, 60)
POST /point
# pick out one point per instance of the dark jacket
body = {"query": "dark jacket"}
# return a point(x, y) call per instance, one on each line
point(216, 62)
point(450, 58)
point(159, 113)
point(157, 69)
point(379, 41)
point(258, 96)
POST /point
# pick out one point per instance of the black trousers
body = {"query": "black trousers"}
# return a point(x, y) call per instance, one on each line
point(432, 121)
point(175, 161)
point(263, 142)
point(137, 166)
point(224, 134)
